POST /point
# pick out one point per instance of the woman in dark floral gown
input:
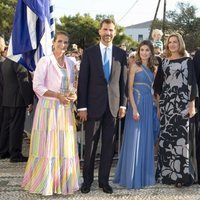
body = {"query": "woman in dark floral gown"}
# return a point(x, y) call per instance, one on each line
point(176, 156)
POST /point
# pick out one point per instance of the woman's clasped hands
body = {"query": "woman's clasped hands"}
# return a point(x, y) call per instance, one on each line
point(66, 98)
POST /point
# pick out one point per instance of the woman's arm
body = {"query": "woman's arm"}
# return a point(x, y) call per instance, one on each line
point(159, 77)
point(62, 98)
point(132, 71)
point(194, 89)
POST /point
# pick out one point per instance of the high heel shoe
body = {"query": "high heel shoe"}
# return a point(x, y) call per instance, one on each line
point(178, 185)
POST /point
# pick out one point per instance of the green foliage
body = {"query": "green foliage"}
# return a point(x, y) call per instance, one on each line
point(122, 38)
point(7, 10)
point(101, 17)
point(184, 21)
point(83, 30)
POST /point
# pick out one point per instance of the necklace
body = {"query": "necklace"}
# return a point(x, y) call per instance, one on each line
point(60, 61)
point(61, 66)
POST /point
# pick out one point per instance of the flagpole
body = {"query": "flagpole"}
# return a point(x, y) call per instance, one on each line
point(158, 5)
point(164, 19)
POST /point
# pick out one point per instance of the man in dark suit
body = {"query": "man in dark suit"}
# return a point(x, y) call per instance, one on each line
point(101, 99)
point(196, 60)
point(17, 98)
point(2, 49)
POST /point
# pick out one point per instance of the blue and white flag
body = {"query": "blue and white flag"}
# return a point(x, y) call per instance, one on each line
point(33, 30)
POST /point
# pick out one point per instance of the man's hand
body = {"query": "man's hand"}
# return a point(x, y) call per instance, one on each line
point(29, 108)
point(122, 113)
point(191, 110)
point(82, 115)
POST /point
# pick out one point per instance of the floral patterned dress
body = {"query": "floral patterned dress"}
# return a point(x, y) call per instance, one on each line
point(176, 156)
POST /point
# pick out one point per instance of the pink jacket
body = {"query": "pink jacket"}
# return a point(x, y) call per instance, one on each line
point(48, 75)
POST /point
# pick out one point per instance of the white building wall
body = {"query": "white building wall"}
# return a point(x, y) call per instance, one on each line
point(136, 33)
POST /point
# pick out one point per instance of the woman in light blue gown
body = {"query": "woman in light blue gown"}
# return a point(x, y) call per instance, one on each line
point(135, 168)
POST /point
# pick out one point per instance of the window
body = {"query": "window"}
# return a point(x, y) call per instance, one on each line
point(140, 38)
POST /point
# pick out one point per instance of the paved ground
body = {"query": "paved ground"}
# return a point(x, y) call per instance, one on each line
point(11, 175)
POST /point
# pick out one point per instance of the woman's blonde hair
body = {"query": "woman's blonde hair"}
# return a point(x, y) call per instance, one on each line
point(181, 42)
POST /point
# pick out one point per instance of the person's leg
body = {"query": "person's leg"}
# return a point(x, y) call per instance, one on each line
point(16, 132)
point(92, 133)
point(1, 117)
point(109, 131)
point(4, 134)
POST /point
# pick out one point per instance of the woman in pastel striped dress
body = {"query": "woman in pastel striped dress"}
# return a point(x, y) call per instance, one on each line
point(53, 164)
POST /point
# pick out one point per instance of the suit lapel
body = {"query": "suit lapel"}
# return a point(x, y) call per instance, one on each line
point(113, 60)
point(99, 60)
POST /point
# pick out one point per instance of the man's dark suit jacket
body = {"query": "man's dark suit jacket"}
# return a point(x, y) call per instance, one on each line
point(17, 86)
point(93, 91)
point(196, 60)
point(1, 85)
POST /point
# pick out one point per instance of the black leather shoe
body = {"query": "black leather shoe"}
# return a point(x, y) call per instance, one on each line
point(85, 188)
point(106, 188)
point(19, 159)
point(4, 156)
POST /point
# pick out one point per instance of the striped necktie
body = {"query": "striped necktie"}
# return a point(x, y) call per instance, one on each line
point(106, 65)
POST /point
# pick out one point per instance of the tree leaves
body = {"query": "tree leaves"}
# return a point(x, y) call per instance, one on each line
point(7, 10)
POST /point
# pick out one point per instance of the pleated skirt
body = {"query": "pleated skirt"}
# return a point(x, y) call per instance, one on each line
point(53, 164)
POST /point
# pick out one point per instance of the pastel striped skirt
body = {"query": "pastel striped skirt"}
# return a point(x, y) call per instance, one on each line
point(53, 164)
